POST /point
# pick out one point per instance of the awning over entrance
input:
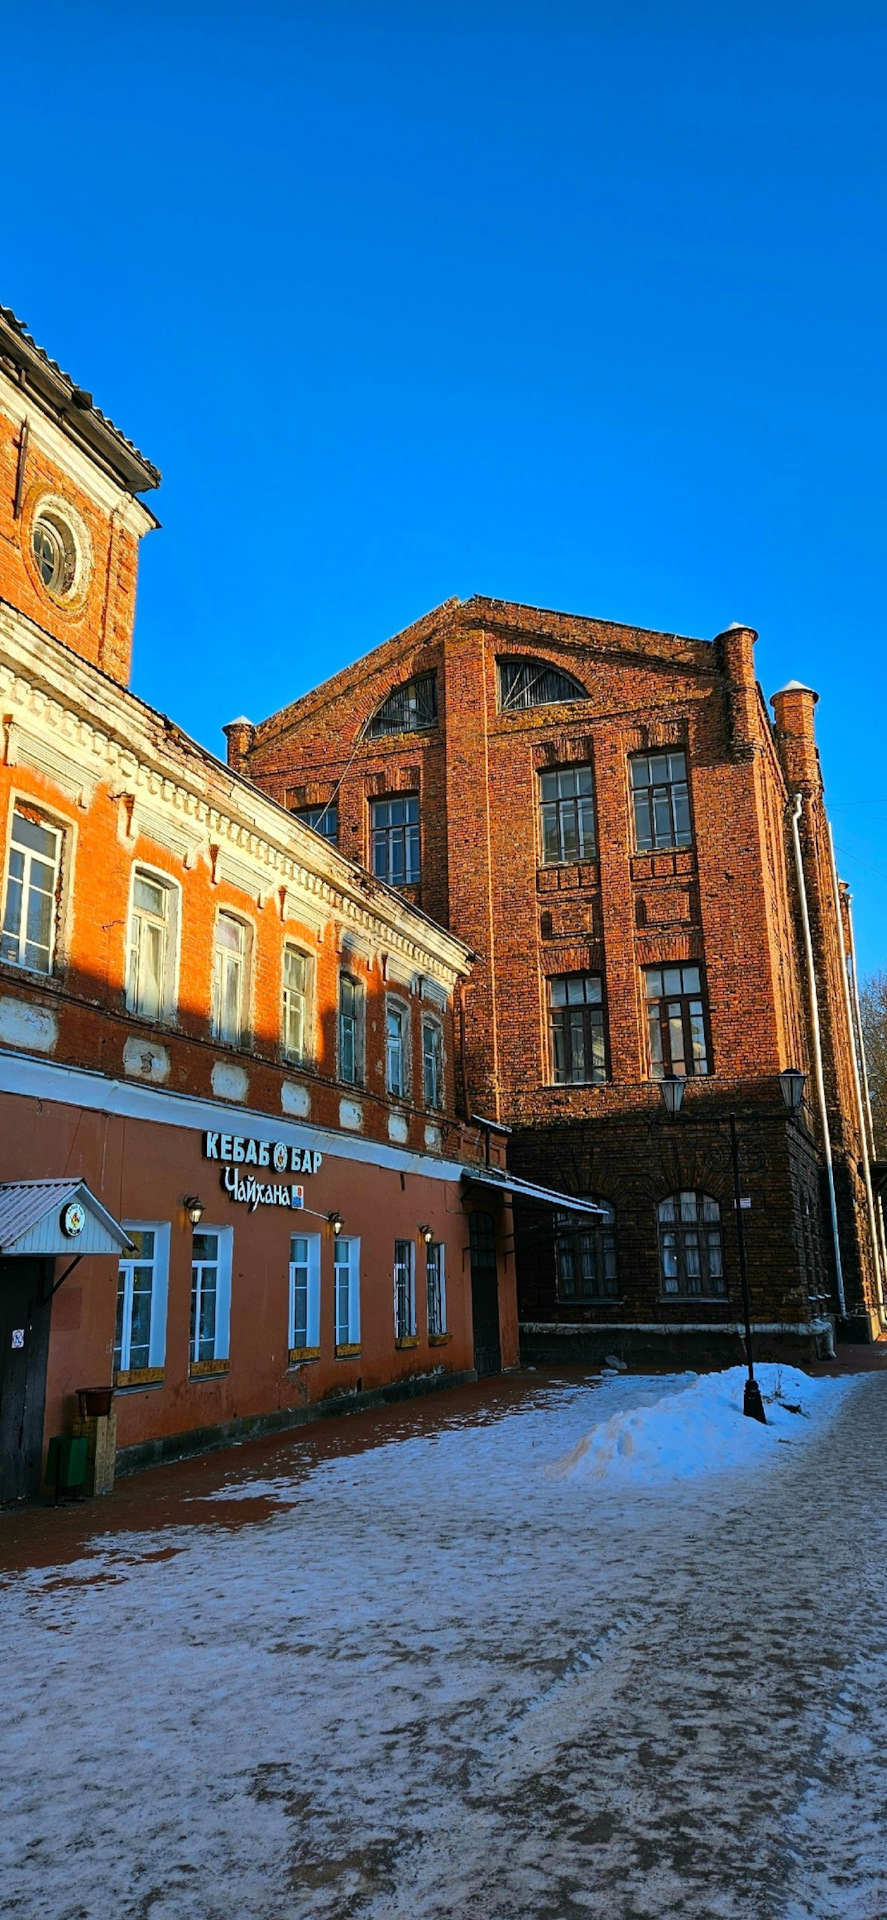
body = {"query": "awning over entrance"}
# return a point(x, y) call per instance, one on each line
point(55, 1217)
point(510, 1189)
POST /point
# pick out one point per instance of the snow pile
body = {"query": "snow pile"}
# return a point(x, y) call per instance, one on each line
point(697, 1426)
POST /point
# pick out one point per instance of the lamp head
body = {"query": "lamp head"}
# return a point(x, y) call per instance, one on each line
point(427, 1234)
point(194, 1208)
point(671, 1089)
point(791, 1086)
point(336, 1222)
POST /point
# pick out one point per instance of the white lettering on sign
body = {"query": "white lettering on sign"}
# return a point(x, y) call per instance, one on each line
point(254, 1194)
point(235, 1149)
point(18, 1337)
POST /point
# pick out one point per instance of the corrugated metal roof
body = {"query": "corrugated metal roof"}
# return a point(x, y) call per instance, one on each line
point(524, 1190)
point(68, 389)
point(25, 1203)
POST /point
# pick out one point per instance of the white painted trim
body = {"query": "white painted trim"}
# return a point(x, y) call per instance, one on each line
point(159, 1284)
point(105, 492)
point(224, 1264)
point(312, 1329)
point(674, 1326)
point(78, 1087)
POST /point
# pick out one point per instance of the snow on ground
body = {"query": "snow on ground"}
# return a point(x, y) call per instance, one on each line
point(442, 1680)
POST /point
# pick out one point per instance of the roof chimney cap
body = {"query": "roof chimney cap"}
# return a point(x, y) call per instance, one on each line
point(793, 686)
point(241, 721)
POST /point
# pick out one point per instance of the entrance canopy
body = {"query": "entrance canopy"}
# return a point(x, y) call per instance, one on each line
point(510, 1189)
point(56, 1216)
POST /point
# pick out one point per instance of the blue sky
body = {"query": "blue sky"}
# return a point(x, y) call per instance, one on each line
point(575, 304)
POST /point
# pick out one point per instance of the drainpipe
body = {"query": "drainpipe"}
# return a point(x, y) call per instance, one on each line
point(860, 1110)
point(863, 1067)
point(797, 804)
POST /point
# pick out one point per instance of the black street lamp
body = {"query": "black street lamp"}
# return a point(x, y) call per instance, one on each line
point(792, 1085)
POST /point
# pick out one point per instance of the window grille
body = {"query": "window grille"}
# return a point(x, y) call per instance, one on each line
point(661, 800)
point(404, 1296)
point(533, 683)
point(435, 1290)
point(577, 1029)
point(408, 709)
point(32, 885)
point(567, 813)
point(676, 1022)
point(690, 1250)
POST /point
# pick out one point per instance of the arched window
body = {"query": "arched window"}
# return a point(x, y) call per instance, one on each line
point(408, 709)
point(533, 683)
point(691, 1257)
point(585, 1255)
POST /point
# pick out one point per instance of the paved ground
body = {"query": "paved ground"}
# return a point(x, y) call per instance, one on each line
point(390, 1668)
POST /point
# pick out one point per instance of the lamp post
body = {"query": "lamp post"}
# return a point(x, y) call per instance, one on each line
point(791, 1085)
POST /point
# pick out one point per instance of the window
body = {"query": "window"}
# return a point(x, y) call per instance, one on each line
point(676, 1022)
point(32, 888)
point(324, 820)
point(408, 709)
point(690, 1252)
point(432, 1064)
point(567, 809)
point(435, 1288)
point(350, 1030)
point(404, 1291)
point(150, 946)
point(578, 1042)
point(395, 826)
point(304, 1302)
point(229, 980)
point(296, 986)
point(346, 1274)
point(533, 683)
point(210, 1299)
point(55, 553)
point(661, 801)
point(585, 1256)
point(140, 1333)
point(396, 1032)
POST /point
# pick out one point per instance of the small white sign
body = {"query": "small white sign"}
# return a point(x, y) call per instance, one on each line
point(18, 1337)
point(745, 1202)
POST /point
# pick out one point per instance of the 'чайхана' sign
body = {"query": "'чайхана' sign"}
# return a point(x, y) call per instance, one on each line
point(236, 1150)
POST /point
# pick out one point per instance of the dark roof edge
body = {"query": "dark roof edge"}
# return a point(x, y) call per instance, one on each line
point(74, 410)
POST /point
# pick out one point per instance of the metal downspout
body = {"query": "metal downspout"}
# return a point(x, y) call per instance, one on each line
point(863, 1064)
point(797, 804)
point(860, 1110)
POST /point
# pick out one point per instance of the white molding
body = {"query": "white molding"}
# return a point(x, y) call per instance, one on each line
point(295, 906)
point(184, 842)
point(674, 1326)
point(133, 1100)
point(238, 873)
point(27, 749)
point(105, 492)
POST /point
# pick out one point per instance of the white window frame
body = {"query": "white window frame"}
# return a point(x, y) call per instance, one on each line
point(394, 1004)
point(159, 1293)
point(435, 1026)
point(222, 1340)
point(219, 952)
point(359, 1018)
point(305, 1053)
point(436, 1247)
point(312, 1267)
point(156, 878)
point(21, 803)
point(410, 1332)
point(352, 1267)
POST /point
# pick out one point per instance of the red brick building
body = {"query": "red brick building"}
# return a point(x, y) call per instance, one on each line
point(609, 818)
point(221, 1040)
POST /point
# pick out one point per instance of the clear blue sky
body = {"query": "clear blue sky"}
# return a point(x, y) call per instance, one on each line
point(576, 303)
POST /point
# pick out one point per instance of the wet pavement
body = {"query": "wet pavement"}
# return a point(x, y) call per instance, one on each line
point(388, 1667)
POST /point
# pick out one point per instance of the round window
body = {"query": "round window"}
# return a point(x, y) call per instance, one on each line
point(55, 553)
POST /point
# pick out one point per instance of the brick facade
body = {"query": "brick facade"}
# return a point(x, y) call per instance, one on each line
point(726, 901)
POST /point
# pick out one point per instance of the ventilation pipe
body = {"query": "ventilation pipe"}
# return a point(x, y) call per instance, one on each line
point(797, 804)
point(857, 1088)
point(863, 1067)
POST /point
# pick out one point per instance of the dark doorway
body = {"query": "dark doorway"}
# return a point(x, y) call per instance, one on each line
point(24, 1345)
point(484, 1293)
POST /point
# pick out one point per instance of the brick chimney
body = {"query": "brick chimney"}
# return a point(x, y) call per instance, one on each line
point(240, 734)
point(736, 646)
point(796, 736)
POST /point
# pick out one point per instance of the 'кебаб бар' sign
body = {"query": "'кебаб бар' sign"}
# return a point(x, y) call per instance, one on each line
point(237, 1150)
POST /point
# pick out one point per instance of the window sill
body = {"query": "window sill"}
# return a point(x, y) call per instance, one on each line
point(691, 1299)
point(297, 1354)
point(140, 1377)
point(348, 1352)
point(407, 1340)
point(207, 1369)
point(439, 1339)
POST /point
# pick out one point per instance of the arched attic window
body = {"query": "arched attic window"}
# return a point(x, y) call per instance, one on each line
point(408, 709)
point(533, 683)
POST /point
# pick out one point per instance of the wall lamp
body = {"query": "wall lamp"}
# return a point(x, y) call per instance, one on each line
point(194, 1208)
point(671, 1090)
point(427, 1235)
point(791, 1086)
point(336, 1221)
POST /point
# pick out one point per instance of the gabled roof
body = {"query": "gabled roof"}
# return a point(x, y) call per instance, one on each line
point(30, 1220)
point(74, 409)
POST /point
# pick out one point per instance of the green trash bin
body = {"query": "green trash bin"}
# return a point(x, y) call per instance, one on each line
point(66, 1464)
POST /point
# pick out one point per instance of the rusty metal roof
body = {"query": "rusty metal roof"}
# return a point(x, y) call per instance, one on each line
point(76, 410)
